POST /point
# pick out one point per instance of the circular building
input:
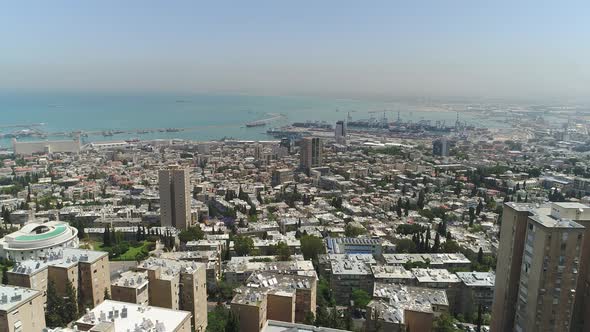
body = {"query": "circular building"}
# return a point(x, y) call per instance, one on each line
point(36, 240)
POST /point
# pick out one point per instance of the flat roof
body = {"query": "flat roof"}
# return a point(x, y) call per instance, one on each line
point(11, 297)
point(435, 275)
point(277, 326)
point(146, 317)
point(477, 279)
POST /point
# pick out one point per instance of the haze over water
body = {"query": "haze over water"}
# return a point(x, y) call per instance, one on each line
point(215, 116)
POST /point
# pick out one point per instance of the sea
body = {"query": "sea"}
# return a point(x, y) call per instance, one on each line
point(209, 116)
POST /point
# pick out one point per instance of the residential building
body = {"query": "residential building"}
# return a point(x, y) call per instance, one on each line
point(178, 285)
point(280, 176)
point(21, 309)
point(441, 279)
point(311, 153)
point(131, 287)
point(401, 308)
point(477, 289)
point(350, 272)
point(512, 239)
point(88, 271)
point(542, 255)
point(435, 261)
point(281, 297)
point(549, 273)
point(114, 316)
point(175, 197)
point(277, 326)
point(340, 132)
point(440, 147)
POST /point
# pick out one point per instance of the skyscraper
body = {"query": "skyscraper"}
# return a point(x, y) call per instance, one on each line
point(538, 265)
point(311, 152)
point(175, 199)
point(440, 147)
point(340, 132)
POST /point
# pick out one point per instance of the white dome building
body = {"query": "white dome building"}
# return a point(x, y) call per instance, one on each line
point(36, 240)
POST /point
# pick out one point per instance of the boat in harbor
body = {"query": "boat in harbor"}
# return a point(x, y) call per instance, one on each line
point(256, 124)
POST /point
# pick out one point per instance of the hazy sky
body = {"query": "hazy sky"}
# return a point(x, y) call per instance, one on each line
point(337, 48)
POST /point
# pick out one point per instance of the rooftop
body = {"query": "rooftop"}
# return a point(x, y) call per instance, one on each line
point(132, 317)
point(132, 279)
point(411, 298)
point(435, 275)
point(66, 257)
point(391, 272)
point(11, 297)
point(477, 279)
point(277, 326)
point(261, 283)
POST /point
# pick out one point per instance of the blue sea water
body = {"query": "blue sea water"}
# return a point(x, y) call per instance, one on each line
point(210, 116)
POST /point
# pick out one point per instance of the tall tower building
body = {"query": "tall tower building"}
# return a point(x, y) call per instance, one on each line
point(549, 274)
point(512, 234)
point(340, 132)
point(311, 152)
point(440, 147)
point(175, 198)
point(539, 259)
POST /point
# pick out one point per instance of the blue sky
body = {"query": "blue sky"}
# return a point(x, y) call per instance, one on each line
point(335, 48)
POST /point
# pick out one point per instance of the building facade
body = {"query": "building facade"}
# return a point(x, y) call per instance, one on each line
point(175, 197)
point(21, 309)
point(311, 153)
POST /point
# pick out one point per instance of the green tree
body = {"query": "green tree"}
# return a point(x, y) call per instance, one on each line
point(106, 236)
point(55, 307)
point(352, 231)
point(283, 251)
point(360, 298)
point(233, 322)
point(444, 323)
point(191, 234)
point(405, 246)
point(311, 246)
point(243, 245)
point(70, 312)
point(107, 295)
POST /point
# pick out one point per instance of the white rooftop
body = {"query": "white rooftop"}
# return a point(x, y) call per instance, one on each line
point(11, 296)
point(130, 317)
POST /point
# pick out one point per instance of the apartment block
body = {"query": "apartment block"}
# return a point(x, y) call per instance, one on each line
point(274, 296)
point(435, 261)
point(311, 152)
point(512, 235)
point(87, 270)
point(239, 269)
point(549, 274)
point(401, 308)
point(280, 176)
point(21, 309)
point(477, 288)
point(212, 259)
point(441, 279)
point(250, 307)
point(350, 272)
point(178, 285)
point(542, 279)
point(131, 287)
point(175, 197)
